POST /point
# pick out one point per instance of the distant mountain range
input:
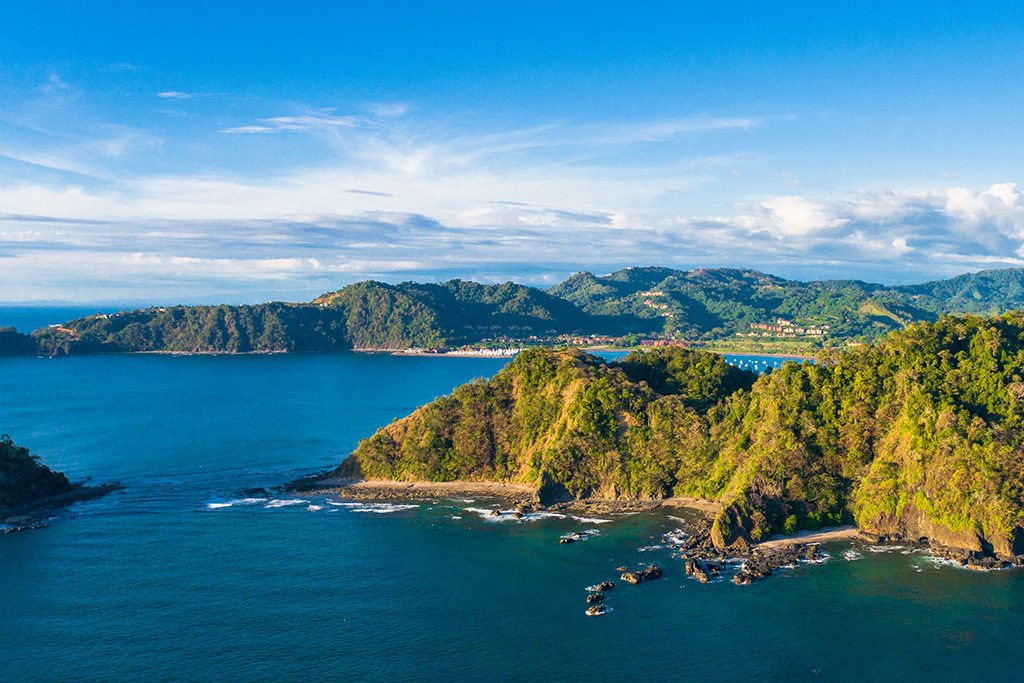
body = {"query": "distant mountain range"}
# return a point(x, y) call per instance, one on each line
point(703, 305)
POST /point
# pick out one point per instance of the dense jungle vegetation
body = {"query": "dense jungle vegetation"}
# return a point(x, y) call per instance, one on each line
point(919, 435)
point(23, 478)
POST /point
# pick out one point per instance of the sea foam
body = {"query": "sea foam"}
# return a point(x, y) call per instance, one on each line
point(487, 514)
point(237, 501)
point(285, 503)
point(590, 520)
point(383, 508)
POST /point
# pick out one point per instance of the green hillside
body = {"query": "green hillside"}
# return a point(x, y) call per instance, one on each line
point(921, 435)
point(737, 309)
point(23, 479)
point(712, 303)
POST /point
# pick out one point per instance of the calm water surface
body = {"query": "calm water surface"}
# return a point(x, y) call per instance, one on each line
point(178, 577)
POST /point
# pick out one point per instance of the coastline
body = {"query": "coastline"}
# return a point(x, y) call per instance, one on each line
point(824, 535)
point(708, 507)
point(516, 494)
point(394, 352)
point(382, 489)
point(745, 354)
point(31, 515)
point(766, 555)
point(751, 354)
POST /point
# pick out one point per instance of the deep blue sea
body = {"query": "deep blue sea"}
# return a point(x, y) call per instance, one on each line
point(182, 577)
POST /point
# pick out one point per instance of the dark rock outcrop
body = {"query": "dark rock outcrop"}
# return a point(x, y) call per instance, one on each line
point(652, 572)
point(632, 577)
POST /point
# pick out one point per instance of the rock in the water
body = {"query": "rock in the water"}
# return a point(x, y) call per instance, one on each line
point(594, 598)
point(632, 577)
point(596, 610)
point(652, 572)
point(812, 553)
point(699, 570)
point(605, 586)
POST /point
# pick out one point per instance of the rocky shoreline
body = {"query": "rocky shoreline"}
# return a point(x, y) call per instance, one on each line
point(518, 496)
point(704, 560)
point(969, 559)
point(35, 515)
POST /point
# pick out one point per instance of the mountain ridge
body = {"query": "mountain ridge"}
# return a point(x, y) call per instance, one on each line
point(704, 305)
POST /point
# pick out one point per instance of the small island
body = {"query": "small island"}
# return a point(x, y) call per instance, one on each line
point(918, 438)
point(29, 490)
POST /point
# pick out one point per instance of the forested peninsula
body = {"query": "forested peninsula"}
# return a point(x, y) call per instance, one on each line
point(727, 308)
point(920, 435)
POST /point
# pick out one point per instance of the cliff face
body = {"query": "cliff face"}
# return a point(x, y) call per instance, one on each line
point(911, 522)
point(919, 436)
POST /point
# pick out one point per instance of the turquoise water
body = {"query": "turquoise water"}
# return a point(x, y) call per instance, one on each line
point(171, 580)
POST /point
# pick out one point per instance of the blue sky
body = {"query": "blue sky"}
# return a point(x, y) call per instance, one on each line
point(236, 152)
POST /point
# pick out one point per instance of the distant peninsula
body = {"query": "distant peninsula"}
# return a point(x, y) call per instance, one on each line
point(919, 436)
point(718, 308)
point(29, 489)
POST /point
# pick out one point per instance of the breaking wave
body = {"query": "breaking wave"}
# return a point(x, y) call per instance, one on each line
point(231, 503)
point(278, 503)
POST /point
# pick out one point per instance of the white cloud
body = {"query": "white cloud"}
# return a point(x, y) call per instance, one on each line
point(315, 121)
point(248, 129)
point(174, 95)
point(795, 216)
point(653, 131)
point(388, 109)
point(396, 198)
point(883, 234)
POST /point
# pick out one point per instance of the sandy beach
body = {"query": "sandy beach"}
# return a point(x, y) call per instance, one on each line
point(708, 507)
point(832, 533)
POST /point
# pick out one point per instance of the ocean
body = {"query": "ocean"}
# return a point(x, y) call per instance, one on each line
point(184, 576)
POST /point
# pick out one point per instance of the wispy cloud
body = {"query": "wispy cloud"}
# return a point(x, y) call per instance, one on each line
point(392, 196)
point(174, 95)
point(658, 130)
point(53, 84)
point(90, 156)
point(389, 109)
point(246, 130)
point(322, 120)
point(369, 192)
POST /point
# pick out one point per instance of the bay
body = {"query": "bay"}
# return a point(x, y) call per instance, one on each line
point(184, 576)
